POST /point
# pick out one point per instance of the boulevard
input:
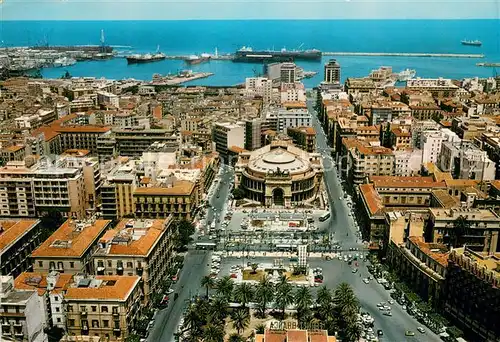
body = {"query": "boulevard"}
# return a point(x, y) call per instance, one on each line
point(340, 227)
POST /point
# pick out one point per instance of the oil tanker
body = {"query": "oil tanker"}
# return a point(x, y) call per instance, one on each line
point(248, 55)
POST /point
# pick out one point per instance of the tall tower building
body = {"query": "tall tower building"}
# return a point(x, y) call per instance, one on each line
point(288, 73)
point(332, 71)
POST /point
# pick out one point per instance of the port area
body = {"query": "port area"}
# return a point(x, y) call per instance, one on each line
point(179, 78)
point(405, 54)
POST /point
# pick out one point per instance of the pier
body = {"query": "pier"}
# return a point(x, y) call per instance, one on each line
point(405, 54)
point(179, 78)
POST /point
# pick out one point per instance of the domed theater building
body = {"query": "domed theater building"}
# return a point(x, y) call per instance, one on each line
point(279, 174)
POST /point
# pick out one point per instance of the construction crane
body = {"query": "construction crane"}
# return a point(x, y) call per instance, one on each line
point(301, 45)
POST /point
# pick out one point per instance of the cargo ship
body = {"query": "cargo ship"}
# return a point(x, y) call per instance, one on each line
point(147, 58)
point(194, 59)
point(248, 55)
point(472, 42)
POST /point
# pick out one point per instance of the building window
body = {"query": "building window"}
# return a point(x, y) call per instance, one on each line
point(105, 323)
point(58, 320)
point(71, 322)
point(70, 308)
point(57, 309)
point(129, 264)
point(71, 264)
point(95, 323)
point(110, 264)
point(104, 309)
point(40, 264)
point(94, 308)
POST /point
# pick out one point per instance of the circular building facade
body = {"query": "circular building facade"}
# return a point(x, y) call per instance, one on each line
point(279, 174)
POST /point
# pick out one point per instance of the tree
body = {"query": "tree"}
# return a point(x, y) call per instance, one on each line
point(460, 227)
point(254, 268)
point(284, 296)
point(218, 311)
point(264, 294)
point(213, 333)
point(243, 294)
point(236, 338)
point(184, 231)
point(303, 302)
point(131, 338)
point(224, 288)
point(241, 319)
point(346, 307)
point(259, 329)
point(54, 333)
point(142, 326)
point(208, 283)
point(239, 193)
point(193, 321)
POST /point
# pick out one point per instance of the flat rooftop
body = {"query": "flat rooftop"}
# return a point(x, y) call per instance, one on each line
point(116, 288)
point(12, 231)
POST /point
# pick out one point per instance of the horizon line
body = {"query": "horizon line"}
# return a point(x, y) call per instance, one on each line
point(253, 19)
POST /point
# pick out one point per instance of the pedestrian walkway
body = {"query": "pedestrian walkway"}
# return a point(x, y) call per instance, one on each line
point(235, 254)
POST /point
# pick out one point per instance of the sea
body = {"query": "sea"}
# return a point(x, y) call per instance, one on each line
point(186, 37)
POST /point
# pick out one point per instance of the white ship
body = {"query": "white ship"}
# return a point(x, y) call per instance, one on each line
point(63, 62)
point(406, 75)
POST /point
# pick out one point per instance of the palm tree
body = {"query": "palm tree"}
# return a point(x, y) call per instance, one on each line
point(303, 301)
point(236, 338)
point(324, 302)
point(218, 310)
point(207, 282)
point(264, 294)
point(241, 319)
point(243, 294)
point(213, 333)
point(284, 296)
point(346, 311)
point(259, 329)
point(193, 321)
point(224, 288)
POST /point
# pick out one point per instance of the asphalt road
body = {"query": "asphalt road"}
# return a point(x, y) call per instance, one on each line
point(336, 271)
point(196, 265)
point(341, 225)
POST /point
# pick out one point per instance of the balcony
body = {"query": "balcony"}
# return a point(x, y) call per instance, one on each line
point(116, 314)
point(83, 313)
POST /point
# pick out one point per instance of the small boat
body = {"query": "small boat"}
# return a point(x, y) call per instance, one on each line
point(472, 42)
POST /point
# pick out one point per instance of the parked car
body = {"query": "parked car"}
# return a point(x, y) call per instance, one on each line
point(409, 333)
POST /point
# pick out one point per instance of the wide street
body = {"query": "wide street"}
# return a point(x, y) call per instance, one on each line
point(195, 267)
point(341, 226)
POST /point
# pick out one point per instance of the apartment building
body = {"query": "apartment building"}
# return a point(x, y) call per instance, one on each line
point(380, 111)
point(17, 240)
point(354, 86)
point(430, 143)
point(133, 141)
point(404, 192)
point(295, 115)
point(332, 72)
point(466, 161)
point(177, 198)
point(104, 306)
point(253, 134)
point(81, 137)
point(105, 98)
point(22, 314)
point(70, 248)
point(117, 189)
point(438, 87)
point(225, 136)
point(423, 265)
point(28, 189)
point(259, 86)
point(472, 294)
point(469, 128)
point(90, 169)
point(138, 247)
point(400, 138)
point(288, 73)
point(50, 288)
point(477, 228)
point(292, 92)
point(407, 162)
point(12, 153)
point(304, 137)
point(366, 159)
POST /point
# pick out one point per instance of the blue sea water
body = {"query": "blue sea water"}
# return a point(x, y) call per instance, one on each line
point(196, 37)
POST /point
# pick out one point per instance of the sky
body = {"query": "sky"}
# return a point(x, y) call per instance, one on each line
point(246, 9)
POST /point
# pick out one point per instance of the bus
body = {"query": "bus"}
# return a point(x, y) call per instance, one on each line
point(206, 245)
point(324, 217)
